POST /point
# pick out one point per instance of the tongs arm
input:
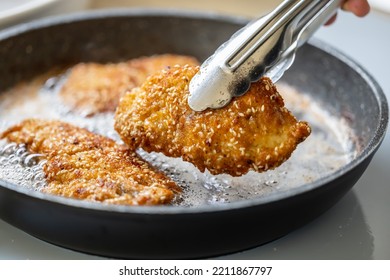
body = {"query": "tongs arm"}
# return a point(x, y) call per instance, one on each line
point(264, 47)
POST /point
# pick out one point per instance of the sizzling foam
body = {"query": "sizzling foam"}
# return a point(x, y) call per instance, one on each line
point(21, 167)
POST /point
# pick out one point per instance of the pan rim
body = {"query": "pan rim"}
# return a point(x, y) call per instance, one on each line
point(376, 139)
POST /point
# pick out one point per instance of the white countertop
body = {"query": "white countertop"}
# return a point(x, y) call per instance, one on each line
point(358, 227)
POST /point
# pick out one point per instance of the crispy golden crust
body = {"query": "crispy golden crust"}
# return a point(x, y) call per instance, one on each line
point(147, 65)
point(254, 132)
point(83, 165)
point(92, 88)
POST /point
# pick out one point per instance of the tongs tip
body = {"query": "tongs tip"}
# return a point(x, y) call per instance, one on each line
point(265, 47)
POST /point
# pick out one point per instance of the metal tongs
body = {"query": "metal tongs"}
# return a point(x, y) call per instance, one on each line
point(264, 47)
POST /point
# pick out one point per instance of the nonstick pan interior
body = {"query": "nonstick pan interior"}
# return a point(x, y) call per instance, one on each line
point(334, 81)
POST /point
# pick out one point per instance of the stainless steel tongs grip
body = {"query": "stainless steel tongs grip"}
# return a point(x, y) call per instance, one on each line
point(261, 30)
point(265, 46)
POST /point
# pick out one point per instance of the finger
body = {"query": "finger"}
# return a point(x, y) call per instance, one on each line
point(358, 7)
point(331, 20)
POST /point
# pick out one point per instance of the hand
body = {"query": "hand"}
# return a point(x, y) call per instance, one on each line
point(359, 8)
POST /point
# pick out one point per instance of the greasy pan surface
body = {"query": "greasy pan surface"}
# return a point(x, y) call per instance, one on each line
point(332, 79)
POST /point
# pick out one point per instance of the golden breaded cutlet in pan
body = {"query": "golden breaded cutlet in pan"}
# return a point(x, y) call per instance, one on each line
point(253, 132)
point(84, 165)
point(92, 88)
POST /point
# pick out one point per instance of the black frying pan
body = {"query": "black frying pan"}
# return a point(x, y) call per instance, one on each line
point(169, 231)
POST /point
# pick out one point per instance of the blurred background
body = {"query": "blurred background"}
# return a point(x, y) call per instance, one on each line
point(247, 8)
point(13, 11)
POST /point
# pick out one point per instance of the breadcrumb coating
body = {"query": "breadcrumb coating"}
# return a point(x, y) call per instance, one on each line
point(92, 88)
point(253, 132)
point(147, 65)
point(84, 165)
